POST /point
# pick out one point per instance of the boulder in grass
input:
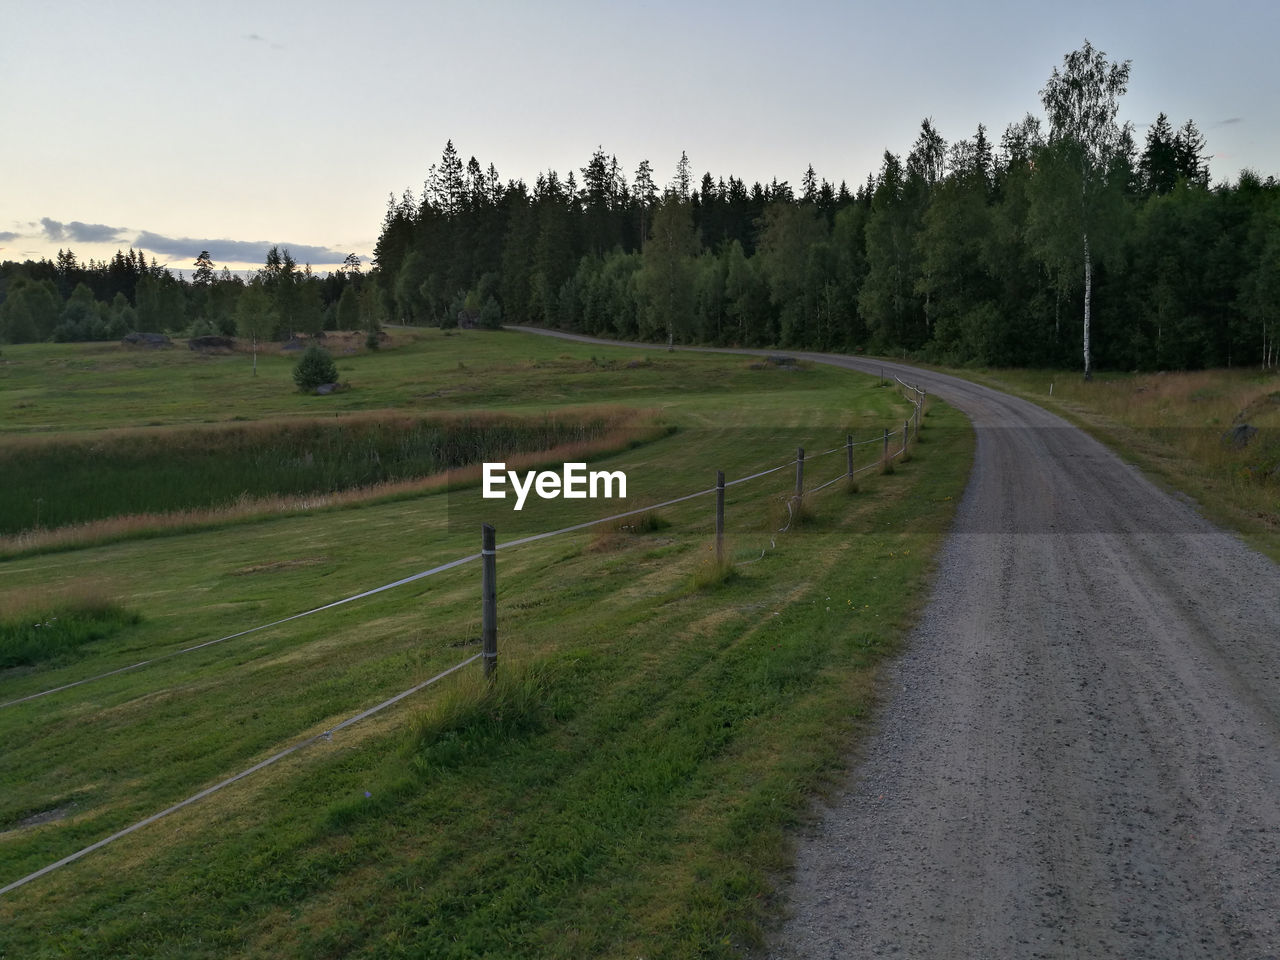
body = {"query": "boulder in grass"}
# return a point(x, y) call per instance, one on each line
point(327, 388)
point(1238, 437)
point(152, 341)
point(781, 362)
point(211, 343)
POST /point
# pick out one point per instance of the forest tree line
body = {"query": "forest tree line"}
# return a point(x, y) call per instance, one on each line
point(67, 300)
point(998, 252)
point(964, 252)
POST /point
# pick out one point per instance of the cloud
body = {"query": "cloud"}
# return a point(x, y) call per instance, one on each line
point(258, 38)
point(1227, 122)
point(79, 232)
point(234, 251)
point(179, 249)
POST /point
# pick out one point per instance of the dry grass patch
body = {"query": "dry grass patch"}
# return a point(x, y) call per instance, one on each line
point(280, 565)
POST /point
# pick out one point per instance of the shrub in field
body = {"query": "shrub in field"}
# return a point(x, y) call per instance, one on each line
point(314, 367)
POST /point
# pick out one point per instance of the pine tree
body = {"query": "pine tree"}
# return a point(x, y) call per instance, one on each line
point(314, 368)
point(809, 186)
point(1158, 165)
point(683, 181)
point(203, 276)
point(646, 195)
point(1188, 155)
point(445, 188)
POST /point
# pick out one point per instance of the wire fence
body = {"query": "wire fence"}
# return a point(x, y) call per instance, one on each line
point(488, 592)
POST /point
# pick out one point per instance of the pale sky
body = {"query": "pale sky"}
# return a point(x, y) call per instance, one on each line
point(233, 126)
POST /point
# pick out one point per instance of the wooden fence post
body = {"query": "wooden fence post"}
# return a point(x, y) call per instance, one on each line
point(885, 455)
point(489, 600)
point(906, 432)
point(719, 517)
point(848, 454)
point(799, 472)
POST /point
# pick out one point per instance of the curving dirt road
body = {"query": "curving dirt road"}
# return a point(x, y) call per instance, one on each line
point(1080, 752)
point(1079, 756)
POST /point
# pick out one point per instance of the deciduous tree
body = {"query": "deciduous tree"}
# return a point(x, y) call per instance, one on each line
point(1085, 142)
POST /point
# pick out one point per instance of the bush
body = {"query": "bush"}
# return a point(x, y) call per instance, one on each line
point(491, 314)
point(314, 368)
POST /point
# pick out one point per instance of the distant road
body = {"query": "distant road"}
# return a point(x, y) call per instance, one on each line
point(1079, 754)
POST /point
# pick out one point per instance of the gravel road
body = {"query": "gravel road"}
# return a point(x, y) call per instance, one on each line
point(1079, 753)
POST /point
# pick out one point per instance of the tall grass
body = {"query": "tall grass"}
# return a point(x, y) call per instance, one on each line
point(51, 629)
point(58, 482)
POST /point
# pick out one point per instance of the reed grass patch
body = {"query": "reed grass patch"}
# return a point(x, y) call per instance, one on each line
point(129, 475)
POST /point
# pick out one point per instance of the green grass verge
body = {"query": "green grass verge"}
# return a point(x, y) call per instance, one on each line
point(625, 790)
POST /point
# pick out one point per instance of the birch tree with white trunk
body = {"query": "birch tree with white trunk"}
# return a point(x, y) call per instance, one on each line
point(1085, 145)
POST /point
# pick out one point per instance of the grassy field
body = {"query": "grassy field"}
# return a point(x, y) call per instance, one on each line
point(624, 789)
point(1174, 426)
point(60, 388)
